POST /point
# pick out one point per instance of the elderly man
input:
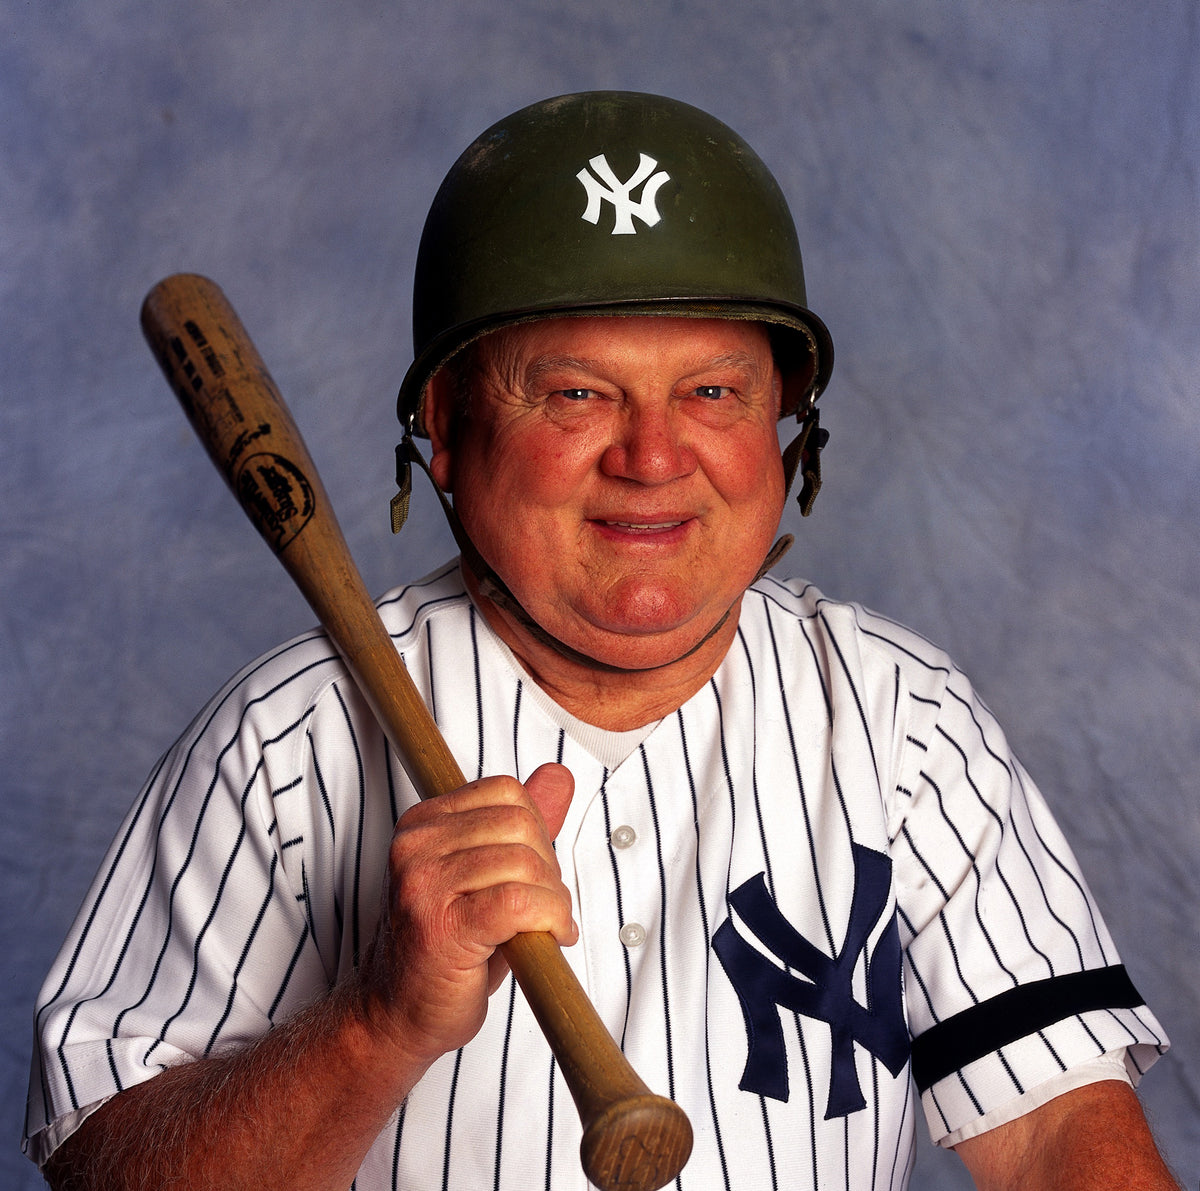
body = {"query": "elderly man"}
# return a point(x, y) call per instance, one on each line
point(808, 887)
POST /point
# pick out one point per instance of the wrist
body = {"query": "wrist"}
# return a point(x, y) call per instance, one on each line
point(375, 1037)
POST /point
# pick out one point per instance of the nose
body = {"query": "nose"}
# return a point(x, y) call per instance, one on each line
point(649, 446)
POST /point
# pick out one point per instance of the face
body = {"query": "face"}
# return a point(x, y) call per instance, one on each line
point(621, 474)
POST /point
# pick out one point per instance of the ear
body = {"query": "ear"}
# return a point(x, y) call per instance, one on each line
point(777, 395)
point(440, 400)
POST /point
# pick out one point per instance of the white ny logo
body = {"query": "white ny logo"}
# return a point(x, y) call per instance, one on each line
point(605, 185)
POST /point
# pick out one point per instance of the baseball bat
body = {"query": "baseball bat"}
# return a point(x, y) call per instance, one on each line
point(633, 1140)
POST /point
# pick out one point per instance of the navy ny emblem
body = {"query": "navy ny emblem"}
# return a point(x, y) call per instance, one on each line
point(823, 991)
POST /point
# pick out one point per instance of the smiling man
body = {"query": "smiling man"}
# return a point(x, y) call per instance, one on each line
point(601, 467)
point(791, 856)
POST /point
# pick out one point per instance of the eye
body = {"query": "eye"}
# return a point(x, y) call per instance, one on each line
point(576, 394)
point(713, 392)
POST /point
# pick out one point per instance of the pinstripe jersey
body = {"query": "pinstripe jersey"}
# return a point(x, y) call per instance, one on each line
point(827, 849)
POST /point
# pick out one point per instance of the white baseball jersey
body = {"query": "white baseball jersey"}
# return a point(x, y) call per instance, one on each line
point(817, 900)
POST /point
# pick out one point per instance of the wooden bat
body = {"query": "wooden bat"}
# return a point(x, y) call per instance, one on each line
point(633, 1140)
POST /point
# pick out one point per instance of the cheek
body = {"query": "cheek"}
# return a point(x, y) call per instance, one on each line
point(749, 475)
point(540, 468)
point(516, 486)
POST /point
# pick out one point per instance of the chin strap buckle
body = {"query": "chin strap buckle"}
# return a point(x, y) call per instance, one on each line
point(403, 497)
point(804, 454)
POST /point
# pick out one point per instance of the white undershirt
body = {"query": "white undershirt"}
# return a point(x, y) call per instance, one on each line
point(1112, 1065)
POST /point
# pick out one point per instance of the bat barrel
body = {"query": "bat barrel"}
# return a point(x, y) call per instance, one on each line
point(633, 1140)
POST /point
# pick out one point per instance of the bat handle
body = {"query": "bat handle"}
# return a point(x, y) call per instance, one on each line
point(633, 1139)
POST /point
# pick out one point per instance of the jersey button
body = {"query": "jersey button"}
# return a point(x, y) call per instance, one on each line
point(633, 934)
point(623, 837)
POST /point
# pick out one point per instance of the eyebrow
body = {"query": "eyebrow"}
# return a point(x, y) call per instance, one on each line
point(538, 368)
point(543, 364)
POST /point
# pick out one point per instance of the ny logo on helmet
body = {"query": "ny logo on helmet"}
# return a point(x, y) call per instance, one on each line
point(604, 185)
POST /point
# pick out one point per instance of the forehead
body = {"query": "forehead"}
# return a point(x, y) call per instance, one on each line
point(651, 341)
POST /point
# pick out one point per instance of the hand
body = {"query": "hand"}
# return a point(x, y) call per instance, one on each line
point(467, 871)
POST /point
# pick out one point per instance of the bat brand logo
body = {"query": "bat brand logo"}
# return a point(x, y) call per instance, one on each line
point(210, 357)
point(823, 991)
point(604, 186)
point(276, 495)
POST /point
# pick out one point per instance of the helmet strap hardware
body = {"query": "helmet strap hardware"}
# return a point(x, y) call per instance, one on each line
point(798, 457)
point(403, 497)
point(803, 454)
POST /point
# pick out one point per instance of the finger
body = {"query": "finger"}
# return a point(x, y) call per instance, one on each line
point(433, 838)
point(551, 788)
point(463, 871)
point(492, 914)
point(497, 790)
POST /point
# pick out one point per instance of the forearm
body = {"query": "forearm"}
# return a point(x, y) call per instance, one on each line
point(1091, 1139)
point(297, 1109)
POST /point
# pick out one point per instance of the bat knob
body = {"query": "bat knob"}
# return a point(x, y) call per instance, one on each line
point(636, 1144)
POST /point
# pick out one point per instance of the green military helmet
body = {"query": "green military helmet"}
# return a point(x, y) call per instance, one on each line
point(610, 202)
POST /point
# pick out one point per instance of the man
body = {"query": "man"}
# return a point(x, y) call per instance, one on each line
point(793, 862)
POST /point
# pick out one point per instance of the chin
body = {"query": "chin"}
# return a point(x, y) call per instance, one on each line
point(643, 641)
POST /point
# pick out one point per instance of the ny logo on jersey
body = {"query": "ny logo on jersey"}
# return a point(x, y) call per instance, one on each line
point(823, 991)
point(604, 186)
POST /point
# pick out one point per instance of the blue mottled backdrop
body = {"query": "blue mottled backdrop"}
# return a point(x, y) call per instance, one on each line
point(1000, 211)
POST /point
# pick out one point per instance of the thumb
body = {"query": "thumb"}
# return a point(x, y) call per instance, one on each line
point(551, 788)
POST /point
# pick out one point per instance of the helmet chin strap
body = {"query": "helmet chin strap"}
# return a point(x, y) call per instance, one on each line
point(798, 453)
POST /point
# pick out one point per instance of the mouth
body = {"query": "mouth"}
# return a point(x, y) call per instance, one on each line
point(642, 526)
point(656, 528)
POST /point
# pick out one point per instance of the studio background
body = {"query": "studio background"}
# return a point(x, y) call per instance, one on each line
point(998, 206)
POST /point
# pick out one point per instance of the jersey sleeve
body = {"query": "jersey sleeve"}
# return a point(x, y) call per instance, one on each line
point(1011, 977)
point(196, 934)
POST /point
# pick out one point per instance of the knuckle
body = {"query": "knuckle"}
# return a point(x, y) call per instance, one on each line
point(514, 900)
point(409, 844)
point(517, 823)
point(528, 866)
